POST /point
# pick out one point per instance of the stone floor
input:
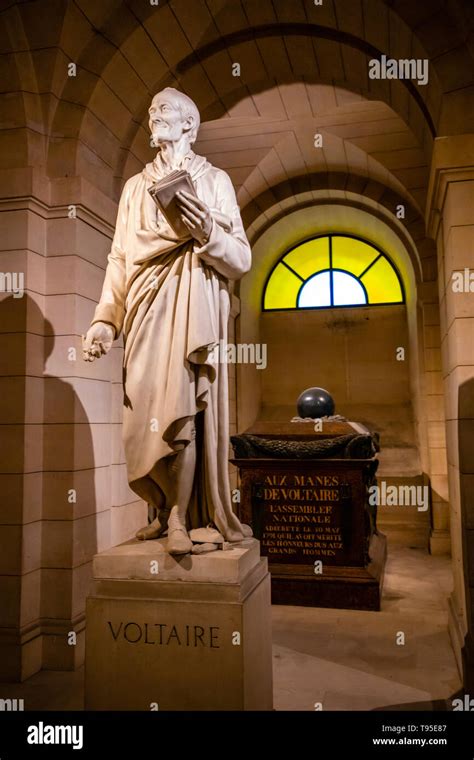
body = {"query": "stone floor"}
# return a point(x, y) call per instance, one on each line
point(350, 660)
point(340, 659)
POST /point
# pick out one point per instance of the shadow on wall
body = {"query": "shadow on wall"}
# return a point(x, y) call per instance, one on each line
point(466, 474)
point(466, 432)
point(49, 524)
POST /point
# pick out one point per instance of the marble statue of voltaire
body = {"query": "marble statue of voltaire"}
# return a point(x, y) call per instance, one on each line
point(170, 298)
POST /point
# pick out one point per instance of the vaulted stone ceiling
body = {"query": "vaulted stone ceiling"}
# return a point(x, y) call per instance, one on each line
point(303, 70)
point(364, 139)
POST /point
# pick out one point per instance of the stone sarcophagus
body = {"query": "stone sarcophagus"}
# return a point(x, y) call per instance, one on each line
point(305, 493)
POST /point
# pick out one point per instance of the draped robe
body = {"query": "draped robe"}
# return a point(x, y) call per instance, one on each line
point(171, 300)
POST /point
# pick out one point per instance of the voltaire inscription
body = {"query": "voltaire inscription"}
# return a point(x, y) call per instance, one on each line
point(302, 516)
point(164, 634)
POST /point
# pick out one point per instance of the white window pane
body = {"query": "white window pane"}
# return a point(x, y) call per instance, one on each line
point(316, 291)
point(347, 290)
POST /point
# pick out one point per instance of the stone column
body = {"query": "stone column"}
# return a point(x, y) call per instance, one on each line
point(430, 410)
point(450, 221)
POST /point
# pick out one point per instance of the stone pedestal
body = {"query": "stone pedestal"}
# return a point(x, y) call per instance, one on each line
point(179, 633)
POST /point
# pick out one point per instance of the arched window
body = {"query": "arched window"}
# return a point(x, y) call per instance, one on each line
point(329, 271)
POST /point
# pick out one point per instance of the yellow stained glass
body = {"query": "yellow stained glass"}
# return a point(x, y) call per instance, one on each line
point(352, 255)
point(309, 257)
point(382, 283)
point(282, 289)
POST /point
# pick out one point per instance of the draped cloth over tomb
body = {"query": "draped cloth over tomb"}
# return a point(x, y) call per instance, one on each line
point(171, 299)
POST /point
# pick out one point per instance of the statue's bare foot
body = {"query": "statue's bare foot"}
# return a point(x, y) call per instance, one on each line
point(155, 529)
point(178, 539)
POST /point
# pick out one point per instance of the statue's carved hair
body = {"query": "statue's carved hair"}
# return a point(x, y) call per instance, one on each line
point(187, 108)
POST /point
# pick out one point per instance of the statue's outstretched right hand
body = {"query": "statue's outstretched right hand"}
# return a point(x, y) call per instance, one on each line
point(98, 341)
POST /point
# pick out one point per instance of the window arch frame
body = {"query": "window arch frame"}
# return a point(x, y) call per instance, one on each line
point(330, 269)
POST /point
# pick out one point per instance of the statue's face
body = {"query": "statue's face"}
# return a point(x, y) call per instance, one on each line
point(166, 122)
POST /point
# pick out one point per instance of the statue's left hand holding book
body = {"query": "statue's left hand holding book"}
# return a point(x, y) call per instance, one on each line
point(164, 192)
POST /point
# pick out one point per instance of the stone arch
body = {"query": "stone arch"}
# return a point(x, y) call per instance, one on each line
point(101, 40)
point(101, 52)
point(414, 259)
point(24, 129)
point(411, 105)
point(345, 182)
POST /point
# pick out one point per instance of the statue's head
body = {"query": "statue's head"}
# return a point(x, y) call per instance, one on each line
point(173, 116)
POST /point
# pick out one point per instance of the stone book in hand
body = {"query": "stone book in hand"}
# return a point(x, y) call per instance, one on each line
point(164, 192)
